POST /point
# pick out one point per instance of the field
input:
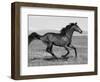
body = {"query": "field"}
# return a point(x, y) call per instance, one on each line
point(37, 56)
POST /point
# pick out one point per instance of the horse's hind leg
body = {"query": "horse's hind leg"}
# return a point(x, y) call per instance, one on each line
point(49, 50)
point(66, 53)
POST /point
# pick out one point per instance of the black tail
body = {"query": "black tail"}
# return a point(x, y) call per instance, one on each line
point(33, 36)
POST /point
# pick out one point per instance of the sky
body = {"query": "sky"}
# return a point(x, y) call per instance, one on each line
point(39, 22)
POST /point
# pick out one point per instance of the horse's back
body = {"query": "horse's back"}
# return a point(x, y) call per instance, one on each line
point(49, 37)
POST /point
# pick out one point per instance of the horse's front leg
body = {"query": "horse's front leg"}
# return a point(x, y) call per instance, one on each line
point(66, 48)
point(71, 46)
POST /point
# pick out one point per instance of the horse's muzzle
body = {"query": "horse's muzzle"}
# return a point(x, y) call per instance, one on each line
point(81, 31)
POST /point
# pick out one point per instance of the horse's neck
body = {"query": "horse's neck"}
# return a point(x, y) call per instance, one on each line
point(69, 34)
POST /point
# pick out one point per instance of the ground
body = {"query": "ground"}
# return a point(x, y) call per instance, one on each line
point(37, 56)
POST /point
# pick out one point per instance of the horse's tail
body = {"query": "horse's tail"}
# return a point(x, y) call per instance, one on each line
point(33, 36)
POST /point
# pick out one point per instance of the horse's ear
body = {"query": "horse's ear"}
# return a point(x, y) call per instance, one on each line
point(75, 23)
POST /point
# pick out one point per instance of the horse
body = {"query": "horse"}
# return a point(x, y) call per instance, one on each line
point(62, 39)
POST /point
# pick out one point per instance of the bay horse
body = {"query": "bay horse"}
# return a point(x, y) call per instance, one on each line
point(62, 39)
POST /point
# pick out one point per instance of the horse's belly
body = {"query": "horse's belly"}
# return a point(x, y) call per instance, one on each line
point(60, 43)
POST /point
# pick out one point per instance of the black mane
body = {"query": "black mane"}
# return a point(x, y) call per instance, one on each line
point(65, 29)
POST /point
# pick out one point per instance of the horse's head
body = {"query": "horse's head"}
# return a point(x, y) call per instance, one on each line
point(68, 28)
point(76, 28)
